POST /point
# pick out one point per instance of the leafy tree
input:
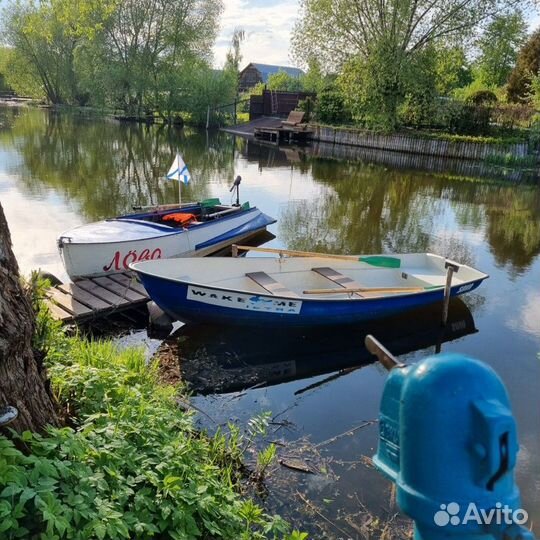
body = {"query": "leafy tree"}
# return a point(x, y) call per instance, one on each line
point(382, 38)
point(45, 36)
point(145, 41)
point(5, 54)
point(452, 69)
point(283, 81)
point(234, 55)
point(315, 80)
point(499, 46)
point(527, 65)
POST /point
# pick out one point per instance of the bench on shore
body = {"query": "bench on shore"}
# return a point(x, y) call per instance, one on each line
point(295, 120)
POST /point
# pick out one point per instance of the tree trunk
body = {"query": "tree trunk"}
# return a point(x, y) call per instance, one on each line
point(22, 378)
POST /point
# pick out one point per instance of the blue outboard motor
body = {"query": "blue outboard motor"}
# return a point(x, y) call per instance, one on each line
point(448, 441)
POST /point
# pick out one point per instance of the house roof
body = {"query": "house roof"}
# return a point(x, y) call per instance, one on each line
point(266, 70)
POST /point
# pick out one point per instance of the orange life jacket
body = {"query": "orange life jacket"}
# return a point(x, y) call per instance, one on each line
point(180, 217)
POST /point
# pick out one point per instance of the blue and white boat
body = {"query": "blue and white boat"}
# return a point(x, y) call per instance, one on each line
point(188, 230)
point(300, 291)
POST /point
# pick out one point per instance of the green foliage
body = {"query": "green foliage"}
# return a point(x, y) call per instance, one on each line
point(372, 90)
point(284, 82)
point(314, 80)
point(234, 56)
point(377, 88)
point(462, 118)
point(132, 467)
point(452, 69)
point(477, 86)
point(527, 65)
point(5, 54)
point(482, 97)
point(331, 108)
point(334, 32)
point(534, 132)
point(534, 91)
point(510, 160)
point(499, 46)
point(138, 56)
point(265, 458)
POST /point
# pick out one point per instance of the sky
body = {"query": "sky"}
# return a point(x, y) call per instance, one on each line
point(267, 24)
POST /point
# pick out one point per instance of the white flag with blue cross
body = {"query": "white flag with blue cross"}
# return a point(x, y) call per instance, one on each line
point(179, 171)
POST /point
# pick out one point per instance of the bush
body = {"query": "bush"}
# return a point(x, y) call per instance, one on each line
point(482, 97)
point(331, 109)
point(463, 118)
point(133, 467)
point(534, 132)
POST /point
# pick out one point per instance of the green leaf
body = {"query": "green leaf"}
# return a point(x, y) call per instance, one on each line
point(11, 490)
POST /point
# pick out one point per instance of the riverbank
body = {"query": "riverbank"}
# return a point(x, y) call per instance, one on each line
point(128, 462)
point(511, 151)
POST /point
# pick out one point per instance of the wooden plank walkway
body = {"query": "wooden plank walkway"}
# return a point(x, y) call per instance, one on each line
point(95, 297)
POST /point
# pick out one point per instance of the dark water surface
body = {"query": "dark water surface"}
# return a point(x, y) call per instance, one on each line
point(60, 170)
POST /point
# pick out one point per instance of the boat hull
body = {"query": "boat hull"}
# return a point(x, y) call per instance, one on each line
point(193, 303)
point(93, 259)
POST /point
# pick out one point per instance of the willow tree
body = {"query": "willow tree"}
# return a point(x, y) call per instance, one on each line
point(385, 36)
point(22, 378)
point(146, 51)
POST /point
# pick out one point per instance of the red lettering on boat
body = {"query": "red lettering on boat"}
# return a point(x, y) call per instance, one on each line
point(115, 261)
point(131, 257)
point(145, 255)
point(131, 254)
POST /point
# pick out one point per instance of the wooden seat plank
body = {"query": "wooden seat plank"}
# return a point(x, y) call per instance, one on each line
point(338, 278)
point(84, 296)
point(57, 312)
point(104, 294)
point(270, 284)
point(131, 281)
point(120, 290)
point(68, 303)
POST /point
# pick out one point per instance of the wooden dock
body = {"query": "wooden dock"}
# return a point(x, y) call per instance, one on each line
point(284, 134)
point(95, 297)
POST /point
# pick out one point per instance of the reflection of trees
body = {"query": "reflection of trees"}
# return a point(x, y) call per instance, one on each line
point(365, 212)
point(106, 167)
point(514, 229)
point(369, 209)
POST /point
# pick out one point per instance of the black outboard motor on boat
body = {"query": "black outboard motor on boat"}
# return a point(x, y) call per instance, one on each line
point(236, 186)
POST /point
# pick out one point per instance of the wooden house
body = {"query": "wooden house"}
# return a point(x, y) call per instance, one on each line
point(254, 73)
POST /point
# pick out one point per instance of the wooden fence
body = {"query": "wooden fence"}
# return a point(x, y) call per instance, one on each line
point(402, 142)
point(275, 103)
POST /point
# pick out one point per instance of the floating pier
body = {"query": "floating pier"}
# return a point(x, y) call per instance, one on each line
point(88, 299)
point(284, 134)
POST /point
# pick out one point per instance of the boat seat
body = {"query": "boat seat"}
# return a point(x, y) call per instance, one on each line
point(337, 277)
point(269, 284)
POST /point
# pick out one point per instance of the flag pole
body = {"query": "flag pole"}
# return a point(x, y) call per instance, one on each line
point(179, 181)
point(179, 193)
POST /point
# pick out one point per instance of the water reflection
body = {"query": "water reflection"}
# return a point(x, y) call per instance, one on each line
point(105, 167)
point(217, 359)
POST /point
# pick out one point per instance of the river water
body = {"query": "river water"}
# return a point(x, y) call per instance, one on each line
point(58, 170)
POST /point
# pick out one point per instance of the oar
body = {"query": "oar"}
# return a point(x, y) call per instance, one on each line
point(381, 261)
point(393, 290)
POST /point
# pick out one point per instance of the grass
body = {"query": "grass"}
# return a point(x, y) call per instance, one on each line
point(130, 463)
